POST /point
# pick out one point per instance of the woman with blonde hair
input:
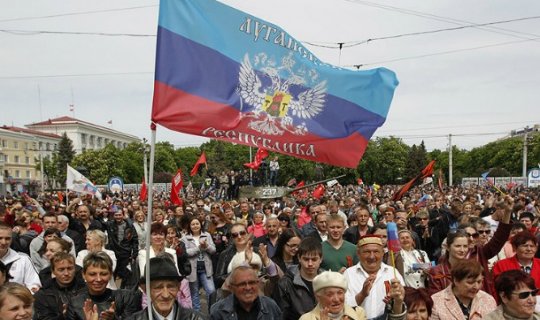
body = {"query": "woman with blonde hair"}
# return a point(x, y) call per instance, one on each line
point(95, 242)
point(16, 302)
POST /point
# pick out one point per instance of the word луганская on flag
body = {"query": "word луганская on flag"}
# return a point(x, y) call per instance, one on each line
point(224, 74)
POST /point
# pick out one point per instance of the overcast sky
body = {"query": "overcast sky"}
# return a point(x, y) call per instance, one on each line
point(478, 82)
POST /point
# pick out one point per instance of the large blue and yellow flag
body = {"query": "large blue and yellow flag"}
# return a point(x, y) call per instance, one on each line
point(224, 74)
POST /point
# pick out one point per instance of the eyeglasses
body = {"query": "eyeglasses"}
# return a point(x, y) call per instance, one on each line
point(484, 231)
point(235, 235)
point(216, 207)
point(526, 294)
point(200, 205)
point(474, 235)
point(245, 284)
point(423, 219)
point(292, 246)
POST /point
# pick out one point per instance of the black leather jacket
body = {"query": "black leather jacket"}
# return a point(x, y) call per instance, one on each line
point(294, 298)
point(181, 314)
point(49, 300)
point(129, 245)
point(127, 303)
point(220, 274)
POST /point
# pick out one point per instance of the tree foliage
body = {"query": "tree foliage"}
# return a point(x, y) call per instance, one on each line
point(387, 160)
point(64, 156)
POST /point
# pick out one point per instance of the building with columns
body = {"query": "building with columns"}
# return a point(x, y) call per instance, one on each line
point(85, 135)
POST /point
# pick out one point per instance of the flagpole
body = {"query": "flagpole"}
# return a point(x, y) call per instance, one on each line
point(250, 170)
point(67, 200)
point(149, 218)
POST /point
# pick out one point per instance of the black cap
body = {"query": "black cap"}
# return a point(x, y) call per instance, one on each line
point(162, 268)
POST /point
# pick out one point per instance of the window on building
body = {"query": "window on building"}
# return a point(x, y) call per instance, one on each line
point(28, 175)
point(48, 146)
point(16, 159)
point(55, 147)
point(99, 141)
point(26, 146)
point(15, 145)
point(83, 138)
point(4, 143)
point(17, 174)
point(92, 140)
point(27, 160)
point(6, 158)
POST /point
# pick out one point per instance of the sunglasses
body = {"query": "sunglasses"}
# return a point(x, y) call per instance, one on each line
point(526, 294)
point(474, 235)
point(235, 235)
point(484, 231)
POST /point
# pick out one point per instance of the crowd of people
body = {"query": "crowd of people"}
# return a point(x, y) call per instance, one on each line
point(465, 253)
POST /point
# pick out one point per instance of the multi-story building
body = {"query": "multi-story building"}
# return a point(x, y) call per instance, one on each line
point(20, 148)
point(85, 135)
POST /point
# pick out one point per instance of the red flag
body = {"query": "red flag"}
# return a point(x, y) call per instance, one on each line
point(202, 159)
point(318, 192)
point(60, 196)
point(144, 191)
point(440, 181)
point(177, 184)
point(426, 172)
point(259, 157)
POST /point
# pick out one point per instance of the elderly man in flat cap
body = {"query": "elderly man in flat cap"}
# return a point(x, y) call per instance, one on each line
point(330, 288)
point(374, 285)
point(164, 287)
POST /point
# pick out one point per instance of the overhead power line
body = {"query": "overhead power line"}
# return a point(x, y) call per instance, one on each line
point(77, 13)
point(78, 75)
point(440, 53)
point(498, 30)
point(357, 43)
point(34, 32)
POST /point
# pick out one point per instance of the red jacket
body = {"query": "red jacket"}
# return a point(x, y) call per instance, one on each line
point(513, 264)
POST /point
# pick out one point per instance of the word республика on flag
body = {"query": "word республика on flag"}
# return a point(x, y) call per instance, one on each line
point(224, 74)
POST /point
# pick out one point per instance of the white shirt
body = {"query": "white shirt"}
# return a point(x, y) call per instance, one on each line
point(373, 304)
point(170, 316)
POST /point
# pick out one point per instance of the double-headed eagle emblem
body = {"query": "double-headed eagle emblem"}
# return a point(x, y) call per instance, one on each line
point(276, 109)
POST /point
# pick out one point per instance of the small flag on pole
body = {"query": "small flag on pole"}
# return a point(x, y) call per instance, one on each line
point(176, 187)
point(144, 191)
point(393, 243)
point(202, 159)
point(77, 182)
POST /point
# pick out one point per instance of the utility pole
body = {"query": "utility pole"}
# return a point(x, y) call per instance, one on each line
point(145, 164)
point(450, 160)
point(524, 172)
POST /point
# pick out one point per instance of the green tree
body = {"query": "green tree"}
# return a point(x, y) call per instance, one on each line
point(384, 161)
point(65, 156)
point(101, 164)
point(131, 161)
point(164, 158)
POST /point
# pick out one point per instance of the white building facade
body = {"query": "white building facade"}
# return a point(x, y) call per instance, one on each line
point(85, 135)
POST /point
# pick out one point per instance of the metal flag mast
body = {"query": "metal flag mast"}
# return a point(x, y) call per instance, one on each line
point(149, 217)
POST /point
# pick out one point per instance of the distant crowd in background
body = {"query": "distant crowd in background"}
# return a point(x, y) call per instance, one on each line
point(464, 253)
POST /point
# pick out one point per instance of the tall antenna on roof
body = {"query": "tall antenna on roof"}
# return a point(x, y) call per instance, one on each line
point(72, 105)
point(39, 102)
